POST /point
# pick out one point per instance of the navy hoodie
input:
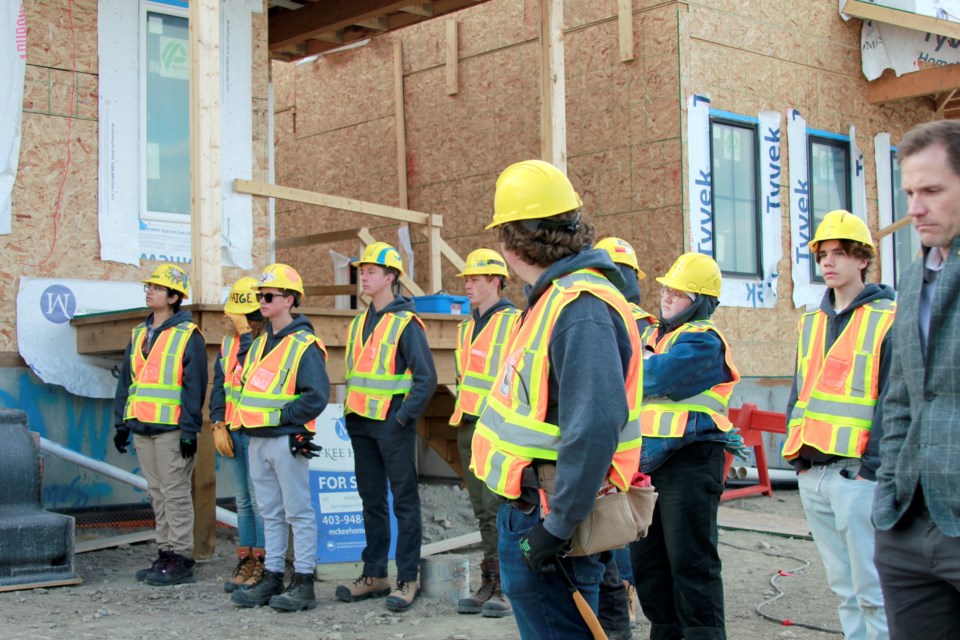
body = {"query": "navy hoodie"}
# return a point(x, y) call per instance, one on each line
point(479, 322)
point(413, 352)
point(218, 397)
point(836, 323)
point(194, 383)
point(313, 385)
point(585, 392)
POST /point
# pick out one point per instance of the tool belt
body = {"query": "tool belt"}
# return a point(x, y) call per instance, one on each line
point(617, 518)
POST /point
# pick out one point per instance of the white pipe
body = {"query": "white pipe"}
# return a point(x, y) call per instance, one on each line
point(750, 473)
point(225, 516)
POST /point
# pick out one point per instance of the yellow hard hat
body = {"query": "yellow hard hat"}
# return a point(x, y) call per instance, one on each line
point(531, 190)
point(621, 252)
point(842, 225)
point(243, 297)
point(485, 262)
point(382, 254)
point(694, 272)
point(172, 277)
point(281, 276)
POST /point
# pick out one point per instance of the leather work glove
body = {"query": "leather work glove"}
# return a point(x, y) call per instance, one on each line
point(222, 440)
point(540, 548)
point(735, 446)
point(121, 439)
point(188, 447)
point(239, 322)
point(303, 445)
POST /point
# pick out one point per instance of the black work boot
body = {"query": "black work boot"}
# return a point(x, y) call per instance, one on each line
point(258, 595)
point(298, 595)
point(163, 556)
point(177, 570)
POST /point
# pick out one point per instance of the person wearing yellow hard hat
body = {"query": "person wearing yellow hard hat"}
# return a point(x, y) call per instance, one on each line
point(688, 377)
point(624, 256)
point(561, 419)
point(243, 311)
point(390, 379)
point(159, 398)
point(285, 388)
point(481, 342)
point(833, 431)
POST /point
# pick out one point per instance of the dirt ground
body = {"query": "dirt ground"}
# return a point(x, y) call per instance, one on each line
point(110, 604)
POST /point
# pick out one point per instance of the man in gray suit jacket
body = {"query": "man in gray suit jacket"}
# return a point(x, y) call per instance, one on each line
point(917, 501)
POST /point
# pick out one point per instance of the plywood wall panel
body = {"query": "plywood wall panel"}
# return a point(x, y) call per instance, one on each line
point(59, 31)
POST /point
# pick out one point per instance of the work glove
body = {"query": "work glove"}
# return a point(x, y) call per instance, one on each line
point(121, 439)
point(540, 548)
point(222, 440)
point(734, 445)
point(239, 322)
point(188, 447)
point(303, 445)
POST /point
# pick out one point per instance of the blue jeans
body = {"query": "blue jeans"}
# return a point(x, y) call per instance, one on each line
point(624, 566)
point(838, 512)
point(249, 522)
point(543, 605)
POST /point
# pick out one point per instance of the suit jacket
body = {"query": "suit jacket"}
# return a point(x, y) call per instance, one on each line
point(921, 407)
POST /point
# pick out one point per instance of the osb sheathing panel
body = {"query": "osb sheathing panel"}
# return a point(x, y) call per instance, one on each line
point(284, 85)
point(56, 149)
point(772, 56)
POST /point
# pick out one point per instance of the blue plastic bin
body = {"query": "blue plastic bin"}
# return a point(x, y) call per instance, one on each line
point(440, 303)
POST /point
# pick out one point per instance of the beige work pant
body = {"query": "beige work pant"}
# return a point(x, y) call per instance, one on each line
point(168, 477)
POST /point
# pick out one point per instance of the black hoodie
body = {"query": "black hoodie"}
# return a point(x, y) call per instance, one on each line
point(194, 383)
point(313, 385)
point(836, 323)
point(413, 352)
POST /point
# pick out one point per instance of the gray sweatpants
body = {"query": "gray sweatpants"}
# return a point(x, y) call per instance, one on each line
point(282, 485)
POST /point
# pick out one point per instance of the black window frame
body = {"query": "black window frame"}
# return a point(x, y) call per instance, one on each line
point(837, 143)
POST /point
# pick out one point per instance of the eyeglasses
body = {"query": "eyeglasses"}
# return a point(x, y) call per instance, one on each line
point(147, 288)
point(268, 297)
point(671, 295)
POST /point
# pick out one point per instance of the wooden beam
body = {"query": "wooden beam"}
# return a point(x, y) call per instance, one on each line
point(944, 98)
point(424, 9)
point(553, 116)
point(625, 25)
point(433, 248)
point(901, 18)
point(326, 200)
point(452, 66)
point(400, 123)
point(70, 581)
point(450, 544)
point(315, 239)
point(447, 252)
point(913, 85)
point(333, 37)
point(892, 228)
point(322, 17)
point(377, 24)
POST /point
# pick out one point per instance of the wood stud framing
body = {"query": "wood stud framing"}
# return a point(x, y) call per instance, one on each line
point(453, 78)
point(553, 116)
point(625, 26)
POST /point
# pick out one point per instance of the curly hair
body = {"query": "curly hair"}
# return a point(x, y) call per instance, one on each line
point(544, 245)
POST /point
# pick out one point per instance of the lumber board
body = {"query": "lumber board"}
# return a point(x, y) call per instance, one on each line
point(925, 82)
point(892, 228)
point(52, 583)
point(450, 544)
point(625, 28)
point(901, 18)
point(96, 544)
point(333, 202)
point(316, 238)
point(553, 114)
point(729, 518)
point(321, 17)
point(452, 69)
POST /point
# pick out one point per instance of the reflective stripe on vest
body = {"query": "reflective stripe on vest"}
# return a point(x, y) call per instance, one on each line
point(512, 431)
point(642, 317)
point(371, 375)
point(478, 360)
point(665, 418)
point(838, 390)
point(157, 380)
point(230, 365)
point(270, 382)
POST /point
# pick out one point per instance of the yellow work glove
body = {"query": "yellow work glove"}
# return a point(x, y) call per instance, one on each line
point(222, 440)
point(239, 322)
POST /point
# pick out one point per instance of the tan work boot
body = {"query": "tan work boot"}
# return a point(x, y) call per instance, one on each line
point(242, 571)
point(403, 595)
point(497, 605)
point(259, 556)
point(632, 599)
point(362, 588)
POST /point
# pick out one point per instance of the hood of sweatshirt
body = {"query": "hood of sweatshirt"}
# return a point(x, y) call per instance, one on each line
point(499, 305)
point(175, 319)
point(631, 284)
point(870, 293)
point(586, 259)
point(300, 321)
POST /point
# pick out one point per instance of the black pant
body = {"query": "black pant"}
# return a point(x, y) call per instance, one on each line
point(677, 567)
point(614, 609)
point(919, 571)
point(379, 456)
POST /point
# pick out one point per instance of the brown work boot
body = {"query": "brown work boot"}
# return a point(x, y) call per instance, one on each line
point(474, 603)
point(403, 595)
point(362, 588)
point(497, 605)
point(241, 573)
point(632, 600)
point(256, 572)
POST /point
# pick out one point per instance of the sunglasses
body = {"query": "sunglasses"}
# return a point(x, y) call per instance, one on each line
point(268, 297)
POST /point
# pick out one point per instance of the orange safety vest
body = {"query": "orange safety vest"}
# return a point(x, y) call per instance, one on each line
point(270, 383)
point(232, 370)
point(371, 366)
point(838, 391)
point(157, 381)
point(641, 315)
point(512, 431)
point(665, 418)
point(478, 360)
